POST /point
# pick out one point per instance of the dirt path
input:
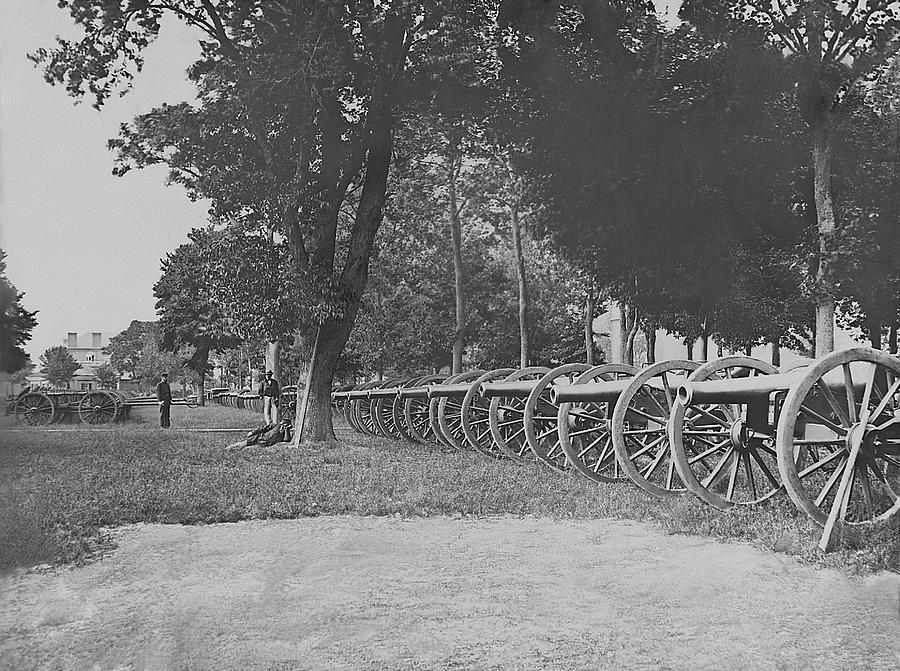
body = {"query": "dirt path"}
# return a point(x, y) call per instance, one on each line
point(375, 593)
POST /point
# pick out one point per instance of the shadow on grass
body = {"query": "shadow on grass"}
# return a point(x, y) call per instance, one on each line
point(59, 490)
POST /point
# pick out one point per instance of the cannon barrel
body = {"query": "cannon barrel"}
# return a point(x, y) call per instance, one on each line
point(358, 394)
point(517, 389)
point(589, 391)
point(413, 392)
point(336, 395)
point(605, 391)
point(737, 390)
point(387, 392)
point(449, 390)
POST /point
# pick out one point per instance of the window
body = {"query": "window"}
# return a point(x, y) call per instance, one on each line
point(89, 357)
point(87, 386)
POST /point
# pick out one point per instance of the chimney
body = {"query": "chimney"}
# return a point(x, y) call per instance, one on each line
point(95, 340)
point(72, 340)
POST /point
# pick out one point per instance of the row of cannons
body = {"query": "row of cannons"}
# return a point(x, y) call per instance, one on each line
point(734, 431)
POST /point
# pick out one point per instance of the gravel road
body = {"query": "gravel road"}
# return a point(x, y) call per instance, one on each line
point(498, 593)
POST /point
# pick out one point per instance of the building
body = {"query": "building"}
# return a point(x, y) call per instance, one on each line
point(87, 350)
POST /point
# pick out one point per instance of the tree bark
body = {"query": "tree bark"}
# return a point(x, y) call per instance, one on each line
point(459, 339)
point(776, 353)
point(689, 346)
point(589, 305)
point(824, 301)
point(892, 339)
point(650, 334)
point(273, 359)
point(516, 228)
point(873, 326)
point(313, 422)
point(633, 322)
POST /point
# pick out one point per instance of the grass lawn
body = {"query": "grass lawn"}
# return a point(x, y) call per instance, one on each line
point(59, 490)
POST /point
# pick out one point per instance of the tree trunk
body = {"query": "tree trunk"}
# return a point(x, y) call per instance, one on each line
point(459, 340)
point(873, 326)
point(892, 339)
point(689, 346)
point(515, 226)
point(650, 334)
point(589, 326)
point(201, 358)
point(273, 359)
point(826, 225)
point(313, 422)
point(776, 353)
point(633, 321)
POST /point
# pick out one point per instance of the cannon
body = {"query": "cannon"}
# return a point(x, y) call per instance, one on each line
point(446, 407)
point(506, 415)
point(583, 424)
point(92, 407)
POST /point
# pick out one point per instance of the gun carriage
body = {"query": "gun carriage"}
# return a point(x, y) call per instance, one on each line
point(94, 407)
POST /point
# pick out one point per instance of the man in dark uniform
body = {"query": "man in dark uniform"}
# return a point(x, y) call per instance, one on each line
point(270, 391)
point(164, 397)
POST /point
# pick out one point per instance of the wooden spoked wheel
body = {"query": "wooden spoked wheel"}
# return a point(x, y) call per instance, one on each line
point(449, 412)
point(98, 407)
point(507, 417)
point(383, 411)
point(35, 408)
point(639, 427)
point(398, 406)
point(433, 414)
point(584, 427)
point(838, 439)
point(475, 415)
point(362, 411)
point(337, 404)
point(541, 429)
point(725, 452)
point(416, 413)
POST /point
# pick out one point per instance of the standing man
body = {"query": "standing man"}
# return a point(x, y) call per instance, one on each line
point(164, 398)
point(270, 391)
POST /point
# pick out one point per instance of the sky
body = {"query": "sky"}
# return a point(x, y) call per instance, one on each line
point(83, 245)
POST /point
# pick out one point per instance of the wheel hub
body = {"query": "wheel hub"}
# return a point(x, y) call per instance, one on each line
point(738, 434)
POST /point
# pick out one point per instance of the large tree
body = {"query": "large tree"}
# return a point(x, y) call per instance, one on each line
point(58, 366)
point(16, 324)
point(831, 46)
point(332, 75)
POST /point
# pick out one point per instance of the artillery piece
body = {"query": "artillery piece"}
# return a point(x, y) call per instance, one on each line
point(93, 407)
point(733, 431)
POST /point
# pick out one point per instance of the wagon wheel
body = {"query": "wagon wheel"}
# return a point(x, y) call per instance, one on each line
point(639, 427)
point(35, 409)
point(540, 420)
point(449, 412)
point(584, 427)
point(347, 411)
point(416, 413)
point(398, 406)
point(362, 411)
point(838, 438)
point(475, 413)
point(380, 411)
point(507, 417)
point(98, 407)
point(725, 452)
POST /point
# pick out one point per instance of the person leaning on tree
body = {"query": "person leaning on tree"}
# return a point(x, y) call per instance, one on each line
point(164, 398)
point(270, 391)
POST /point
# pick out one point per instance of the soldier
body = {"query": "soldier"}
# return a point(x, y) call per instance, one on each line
point(270, 391)
point(164, 398)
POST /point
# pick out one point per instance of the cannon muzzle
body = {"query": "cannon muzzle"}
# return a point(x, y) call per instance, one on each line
point(516, 389)
point(589, 392)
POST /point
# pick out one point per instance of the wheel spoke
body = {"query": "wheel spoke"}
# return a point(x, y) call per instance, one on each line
point(714, 474)
point(830, 483)
point(765, 469)
point(839, 410)
point(840, 430)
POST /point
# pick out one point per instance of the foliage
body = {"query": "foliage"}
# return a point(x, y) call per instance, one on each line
point(58, 366)
point(16, 324)
point(126, 349)
point(106, 375)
